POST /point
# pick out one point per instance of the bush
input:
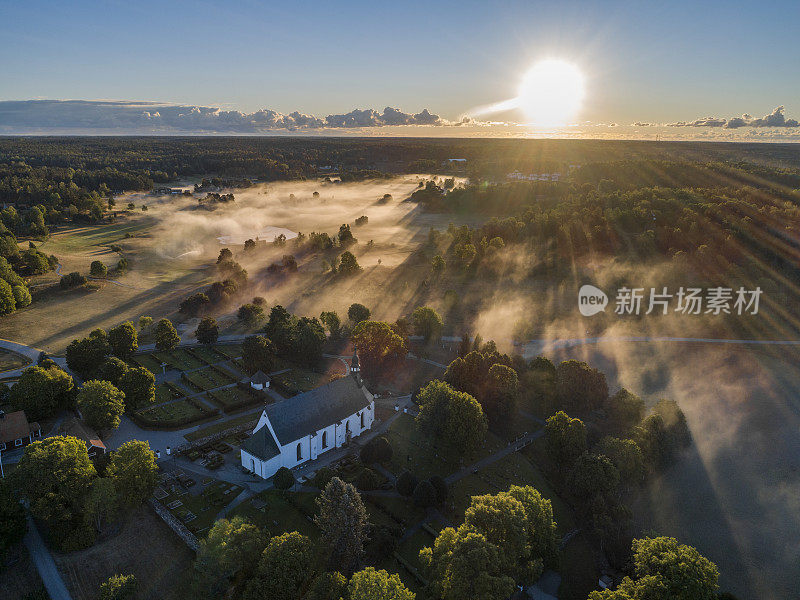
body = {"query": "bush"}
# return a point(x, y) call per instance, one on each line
point(424, 494)
point(323, 477)
point(441, 489)
point(406, 484)
point(98, 269)
point(283, 479)
point(71, 280)
point(367, 480)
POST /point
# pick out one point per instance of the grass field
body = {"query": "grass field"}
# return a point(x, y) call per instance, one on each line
point(21, 580)
point(198, 511)
point(10, 361)
point(165, 393)
point(179, 359)
point(145, 547)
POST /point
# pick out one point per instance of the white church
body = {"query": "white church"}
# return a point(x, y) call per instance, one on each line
point(298, 429)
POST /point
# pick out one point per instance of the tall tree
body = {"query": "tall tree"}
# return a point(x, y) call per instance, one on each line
point(124, 340)
point(357, 313)
point(565, 438)
point(139, 386)
point(41, 392)
point(371, 584)
point(134, 472)
point(332, 322)
point(342, 519)
point(101, 404)
point(427, 323)
point(85, 355)
point(207, 331)
point(456, 417)
point(380, 348)
point(167, 337)
point(285, 568)
point(258, 354)
point(579, 387)
point(666, 570)
point(54, 475)
point(112, 370)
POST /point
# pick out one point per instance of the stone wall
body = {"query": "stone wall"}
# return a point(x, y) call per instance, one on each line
point(179, 528)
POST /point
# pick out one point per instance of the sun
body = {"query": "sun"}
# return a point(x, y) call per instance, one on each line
point(551, 93)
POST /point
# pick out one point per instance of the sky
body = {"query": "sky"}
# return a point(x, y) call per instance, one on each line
point(643, 61)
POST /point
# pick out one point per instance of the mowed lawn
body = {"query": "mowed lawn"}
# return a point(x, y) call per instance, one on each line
point(145, 547)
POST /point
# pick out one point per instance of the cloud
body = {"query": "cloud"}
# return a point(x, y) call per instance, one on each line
point(775, 119)
point(38, 115)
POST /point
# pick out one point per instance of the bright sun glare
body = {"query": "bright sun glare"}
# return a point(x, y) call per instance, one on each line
point(551, 93)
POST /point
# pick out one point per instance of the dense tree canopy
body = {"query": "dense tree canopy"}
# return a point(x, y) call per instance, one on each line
point(101, 404)
point(41, 392)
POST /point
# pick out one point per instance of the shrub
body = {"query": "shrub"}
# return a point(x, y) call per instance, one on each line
point(367, 480)
point(406, 484)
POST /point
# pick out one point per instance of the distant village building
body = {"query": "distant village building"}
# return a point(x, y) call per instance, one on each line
point(259, 381)
point(78, 429)
point(15, 431)
point(299, 429)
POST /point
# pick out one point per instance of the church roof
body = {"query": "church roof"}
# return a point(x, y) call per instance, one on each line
point(261, 444)
point(311, 411)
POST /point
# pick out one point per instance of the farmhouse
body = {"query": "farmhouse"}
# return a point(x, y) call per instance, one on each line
point(75, 428)
point(299, 429)
point(15, 431)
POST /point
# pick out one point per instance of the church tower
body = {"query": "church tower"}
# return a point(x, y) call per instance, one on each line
point(355, 369)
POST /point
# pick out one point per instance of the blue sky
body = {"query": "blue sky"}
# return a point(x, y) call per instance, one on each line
point(653, 61)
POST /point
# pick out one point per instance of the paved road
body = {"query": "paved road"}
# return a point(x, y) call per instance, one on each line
point(45, 564)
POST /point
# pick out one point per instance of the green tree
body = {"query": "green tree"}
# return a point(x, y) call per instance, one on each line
point(380, 348)
point(500, 396)
point(541, 527)
point(624, 411)
point(626, 456)
point(348, 264)
point(12, 520)
point(7, 302)
point(328, 586)
point(283, 479)
point(112, 370)
point(22, 297)
point(119, 587)
point(258, 354)
point(145, 322)
point(54, 475)
point(85, 355)
point(424, 494)
point(357, 313)
point(427, 323)
point(231, 547)
point(101, 501)
point(370, 584)
point(332, 322)
point(565, 438)
point(101, 404)
point(139, 386)
point(342, 520)
point(666, 570)
point(41, 392)
point(134, 472)
point(456, 417)
point(207, 331)
point(98, 269)
point(251, 314)
point(167, 337)
point(464, 564)
point(124, 340)
point(438, 265)
point(593, 476)
point(286, 566)
point(406, 484)
point(579, 387)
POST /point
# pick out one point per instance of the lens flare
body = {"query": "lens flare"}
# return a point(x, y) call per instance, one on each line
point(551, 93)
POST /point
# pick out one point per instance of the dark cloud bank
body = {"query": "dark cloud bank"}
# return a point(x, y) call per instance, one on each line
point(39, 115)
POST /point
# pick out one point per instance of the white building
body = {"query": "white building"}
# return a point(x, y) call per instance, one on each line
point(259, 380)
point(296, 430)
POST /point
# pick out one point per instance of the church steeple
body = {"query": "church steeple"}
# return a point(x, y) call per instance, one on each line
point(355, 369)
